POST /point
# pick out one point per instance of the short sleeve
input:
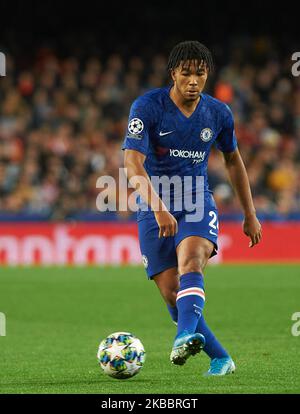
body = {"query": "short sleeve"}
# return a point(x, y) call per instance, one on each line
point(139, 124)
point(226, 141)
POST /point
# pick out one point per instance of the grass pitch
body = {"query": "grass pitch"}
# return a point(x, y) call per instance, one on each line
point(56, 317)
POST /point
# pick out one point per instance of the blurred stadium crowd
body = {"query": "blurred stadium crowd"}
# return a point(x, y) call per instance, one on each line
point(62, 123)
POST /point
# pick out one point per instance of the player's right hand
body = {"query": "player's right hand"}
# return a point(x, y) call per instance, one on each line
point(167, 224)
point(252, 229)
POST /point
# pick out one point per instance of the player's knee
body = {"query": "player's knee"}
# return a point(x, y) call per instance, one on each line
point(191, 264)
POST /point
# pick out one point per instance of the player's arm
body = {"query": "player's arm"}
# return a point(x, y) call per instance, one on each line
point(139, 179)
point(239, 180)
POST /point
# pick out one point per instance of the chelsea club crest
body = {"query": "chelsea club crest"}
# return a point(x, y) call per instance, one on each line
point(145, 261)
point(206, 134)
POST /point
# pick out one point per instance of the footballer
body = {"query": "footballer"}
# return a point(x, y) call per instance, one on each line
point(171, 131)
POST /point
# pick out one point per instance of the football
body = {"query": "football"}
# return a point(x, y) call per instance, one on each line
point(121, 355)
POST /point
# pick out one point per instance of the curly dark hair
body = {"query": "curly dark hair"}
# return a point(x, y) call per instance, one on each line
point(190, 51)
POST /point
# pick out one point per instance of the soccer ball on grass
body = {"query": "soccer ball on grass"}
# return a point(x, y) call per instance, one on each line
point(121, 355)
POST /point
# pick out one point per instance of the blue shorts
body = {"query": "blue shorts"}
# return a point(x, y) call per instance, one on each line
point(160, 254)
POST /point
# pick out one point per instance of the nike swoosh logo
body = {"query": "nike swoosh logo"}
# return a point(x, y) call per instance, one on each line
point(162, 134)
point(211, 232)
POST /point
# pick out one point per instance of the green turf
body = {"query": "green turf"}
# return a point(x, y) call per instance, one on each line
point(57, 316)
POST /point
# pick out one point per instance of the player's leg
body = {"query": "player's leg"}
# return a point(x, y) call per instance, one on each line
point(190, 297)
point(192, 254)
point(168, 285)
point(213, 347)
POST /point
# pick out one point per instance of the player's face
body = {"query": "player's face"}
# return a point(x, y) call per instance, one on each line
point(189, 80)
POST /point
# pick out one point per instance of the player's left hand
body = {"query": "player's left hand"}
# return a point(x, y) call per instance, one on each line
point(252, 228)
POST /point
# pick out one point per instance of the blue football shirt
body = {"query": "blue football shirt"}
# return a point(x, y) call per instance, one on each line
point(176, 145)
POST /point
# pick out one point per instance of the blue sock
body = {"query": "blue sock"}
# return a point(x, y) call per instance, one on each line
point(173, 312)
point(212, 348)
point(190, 301)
